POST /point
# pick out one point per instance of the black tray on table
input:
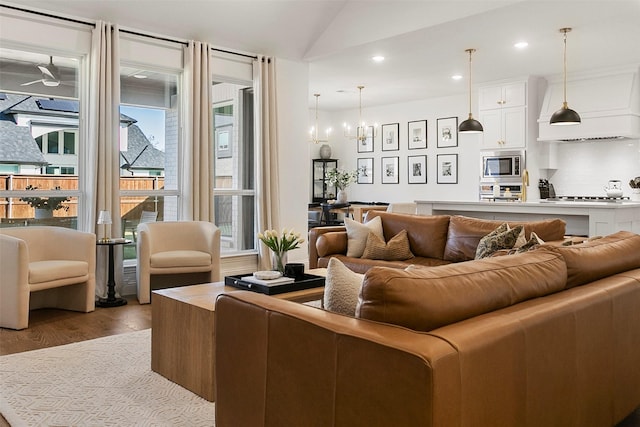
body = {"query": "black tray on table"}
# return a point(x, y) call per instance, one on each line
point(309, 281)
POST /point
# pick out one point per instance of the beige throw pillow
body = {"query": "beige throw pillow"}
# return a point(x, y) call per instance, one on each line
point(357, 234)
point(341, 289)
point(396, 249)
point(500, 238)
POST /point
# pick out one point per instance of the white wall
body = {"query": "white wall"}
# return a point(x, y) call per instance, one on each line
point(292, 79)
point(345, 150)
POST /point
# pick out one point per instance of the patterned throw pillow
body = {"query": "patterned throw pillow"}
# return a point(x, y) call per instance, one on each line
point(396, 249)
point(500, 238)
point(341, 289)
point(357, 234)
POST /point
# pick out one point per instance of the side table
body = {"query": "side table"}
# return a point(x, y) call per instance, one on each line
point(111, 300)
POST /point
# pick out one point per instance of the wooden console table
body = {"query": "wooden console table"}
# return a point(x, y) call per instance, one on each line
point(182, 332)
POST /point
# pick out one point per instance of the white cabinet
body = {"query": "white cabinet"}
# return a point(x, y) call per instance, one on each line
point(503, 114)
point(507, 95)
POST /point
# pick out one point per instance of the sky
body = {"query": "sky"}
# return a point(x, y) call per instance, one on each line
point(150, 121)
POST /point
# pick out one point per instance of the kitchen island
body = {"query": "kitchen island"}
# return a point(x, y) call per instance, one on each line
point(582, 218)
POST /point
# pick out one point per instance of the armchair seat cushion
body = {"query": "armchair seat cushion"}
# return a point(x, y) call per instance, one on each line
point(49, 271)
point(171, 259)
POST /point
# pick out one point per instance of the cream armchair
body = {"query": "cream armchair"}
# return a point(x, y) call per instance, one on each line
point(172, 248)
point(45, 267)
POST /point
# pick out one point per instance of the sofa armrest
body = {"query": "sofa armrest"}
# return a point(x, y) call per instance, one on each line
point(283, 363)
point(14, 282)
point(314, 233)
point(332, 244)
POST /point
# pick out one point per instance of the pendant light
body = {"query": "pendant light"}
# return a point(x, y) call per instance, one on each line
point(470, 125)
point(361, 127)
point(313, 133)
point(565, 115)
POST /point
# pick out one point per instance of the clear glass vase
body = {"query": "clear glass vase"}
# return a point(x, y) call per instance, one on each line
point(278, 261)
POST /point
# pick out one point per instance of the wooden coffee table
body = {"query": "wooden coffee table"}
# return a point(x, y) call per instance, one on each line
point(182, 332)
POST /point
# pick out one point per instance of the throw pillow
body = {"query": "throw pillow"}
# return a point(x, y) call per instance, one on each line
point(357, 234)
point(498, 239)
point(521, 240)
point(341, 288)
point(396, 249)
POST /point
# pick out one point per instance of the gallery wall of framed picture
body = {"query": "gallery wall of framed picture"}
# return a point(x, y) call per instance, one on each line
point(389, 138)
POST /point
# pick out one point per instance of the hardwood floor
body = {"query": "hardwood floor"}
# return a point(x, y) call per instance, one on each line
point(52, 327)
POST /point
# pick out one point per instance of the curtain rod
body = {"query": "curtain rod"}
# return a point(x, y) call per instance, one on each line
point(48, 15)
point(92, 24)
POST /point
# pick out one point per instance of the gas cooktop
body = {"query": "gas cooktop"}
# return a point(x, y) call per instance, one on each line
point(587, 199)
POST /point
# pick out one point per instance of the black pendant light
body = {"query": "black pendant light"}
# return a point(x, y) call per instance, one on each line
point(565, 115)
point(470, 125)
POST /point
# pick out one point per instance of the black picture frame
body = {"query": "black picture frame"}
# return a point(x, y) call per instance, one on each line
point(367, 145)
point(365, 170)
point(390, 137)
point(417, 169)
point(447, 169)
point(447, 132)
point(390, 170)
point(417, 135)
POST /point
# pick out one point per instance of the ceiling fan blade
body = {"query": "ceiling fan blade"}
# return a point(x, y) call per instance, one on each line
point(45, 71)
point(30, 83)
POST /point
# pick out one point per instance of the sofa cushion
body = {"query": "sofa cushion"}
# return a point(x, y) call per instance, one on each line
point(171, 259)
point(396, 249)
point(361, 265)
point(48, 271)
point(341, 288)
point(595, 259)
point(500, 238)
point(424, 299)
point(357, 234)
point(464, 234)
point(427, 234)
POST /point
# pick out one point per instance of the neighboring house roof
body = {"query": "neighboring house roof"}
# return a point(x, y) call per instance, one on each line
point(17, 146)
point(151, 157)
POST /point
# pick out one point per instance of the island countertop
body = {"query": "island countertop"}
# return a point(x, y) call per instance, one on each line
point(582, 218)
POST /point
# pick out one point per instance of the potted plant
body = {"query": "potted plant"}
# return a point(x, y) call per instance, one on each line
point(341, 179)
point(635, 186)
point(45, 206)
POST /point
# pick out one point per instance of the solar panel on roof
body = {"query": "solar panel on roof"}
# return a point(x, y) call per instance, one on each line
point(58, 105)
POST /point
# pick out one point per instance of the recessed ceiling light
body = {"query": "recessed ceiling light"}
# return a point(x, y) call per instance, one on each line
point(521, 45)
point(456, 77)
point(378, 58)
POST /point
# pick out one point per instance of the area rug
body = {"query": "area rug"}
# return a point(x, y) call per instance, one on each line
point(102, 382)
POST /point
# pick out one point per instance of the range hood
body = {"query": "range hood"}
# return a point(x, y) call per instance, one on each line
point(609, 106)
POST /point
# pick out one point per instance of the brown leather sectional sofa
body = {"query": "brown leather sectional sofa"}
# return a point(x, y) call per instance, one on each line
point(550, 337)
point(434, 240)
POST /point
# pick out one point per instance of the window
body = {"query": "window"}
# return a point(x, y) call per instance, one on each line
point(42, 137)
point(69, 143)
point(149, 149)
point(52, 143)
point(234, 180)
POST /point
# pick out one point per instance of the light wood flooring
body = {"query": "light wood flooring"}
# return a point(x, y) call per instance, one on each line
point(51, 327)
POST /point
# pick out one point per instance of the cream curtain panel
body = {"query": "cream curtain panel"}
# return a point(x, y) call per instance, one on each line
point(197, 165)
point(266, 131)
point(103, 155)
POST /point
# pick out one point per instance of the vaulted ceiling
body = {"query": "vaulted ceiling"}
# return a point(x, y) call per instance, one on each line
point(423, 42)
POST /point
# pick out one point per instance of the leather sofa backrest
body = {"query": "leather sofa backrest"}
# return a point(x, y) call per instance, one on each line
point(427, 234)
point(424, 299)
point(465, 233)
point(595, 259)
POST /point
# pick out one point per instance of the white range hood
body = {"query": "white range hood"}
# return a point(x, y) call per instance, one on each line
point(609, 107)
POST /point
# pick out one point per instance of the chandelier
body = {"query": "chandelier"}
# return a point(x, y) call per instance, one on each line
point(313, 133)
point(361, 128)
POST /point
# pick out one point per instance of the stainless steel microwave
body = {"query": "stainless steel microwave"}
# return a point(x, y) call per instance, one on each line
point(502, 164)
